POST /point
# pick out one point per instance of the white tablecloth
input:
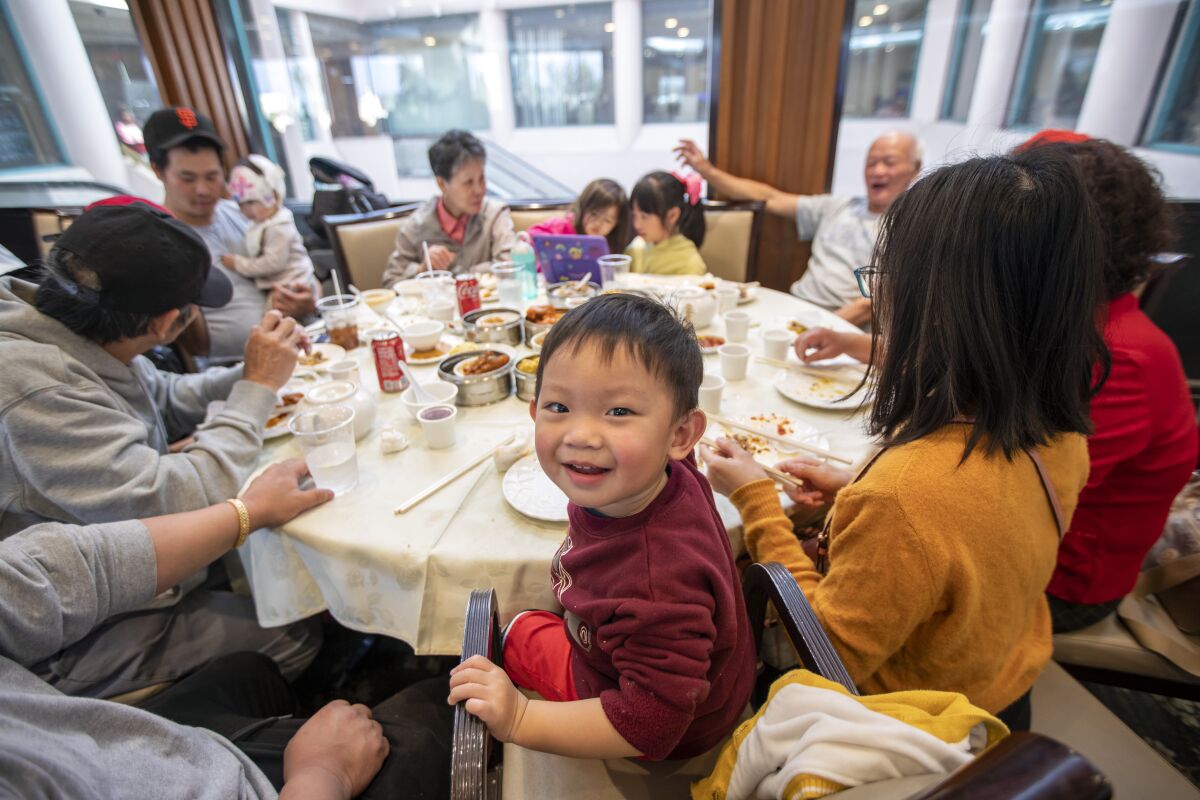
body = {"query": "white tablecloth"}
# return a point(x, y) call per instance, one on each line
point(409, 576)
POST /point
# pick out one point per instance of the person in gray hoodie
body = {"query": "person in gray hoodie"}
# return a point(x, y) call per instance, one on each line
point(59, 581)
point(86, 424)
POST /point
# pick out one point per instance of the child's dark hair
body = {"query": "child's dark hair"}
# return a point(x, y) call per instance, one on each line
point(649, 331)
point(988, 288)
point(596, 197)
point(452, 150)
point(659, 192)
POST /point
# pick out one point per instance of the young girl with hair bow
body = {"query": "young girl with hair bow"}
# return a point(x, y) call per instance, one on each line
point(669, 221)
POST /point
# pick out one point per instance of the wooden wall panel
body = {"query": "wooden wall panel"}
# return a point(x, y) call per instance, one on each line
point(776, 110)
point(183, 45)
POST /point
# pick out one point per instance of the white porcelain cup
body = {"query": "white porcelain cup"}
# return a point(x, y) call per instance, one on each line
point(737, 325)
point(727, 298)
point(735, 360)
point(776, 344)
point(345, 370)
point(441, 310)
point(438, 425)
point(710, 393)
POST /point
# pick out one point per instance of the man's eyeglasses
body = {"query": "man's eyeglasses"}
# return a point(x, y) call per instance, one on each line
point(866, 278)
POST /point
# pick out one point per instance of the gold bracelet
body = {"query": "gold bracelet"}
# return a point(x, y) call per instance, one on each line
point(243, 521)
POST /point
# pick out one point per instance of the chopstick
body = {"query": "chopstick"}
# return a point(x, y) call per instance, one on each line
point(448, 479)
point(795, 444)
point(841, 372)
point(781, 477)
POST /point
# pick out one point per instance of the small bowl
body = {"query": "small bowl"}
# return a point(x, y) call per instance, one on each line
point(441, 392)
point(526, 381)
point(560, 293)
point(423, 335)
point(378, 299)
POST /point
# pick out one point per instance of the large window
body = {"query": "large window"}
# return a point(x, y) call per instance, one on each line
point(675, 60)
point(884, 47)
point(1175, 122)
point(26, 139)
point(964, 64)
point(1056, 63)
point(562, 65)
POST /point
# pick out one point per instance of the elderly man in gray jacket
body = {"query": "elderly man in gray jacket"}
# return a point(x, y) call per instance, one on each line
point(86, 422)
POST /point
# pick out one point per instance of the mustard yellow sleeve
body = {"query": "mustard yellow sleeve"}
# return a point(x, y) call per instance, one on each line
point(882, 584)
point(768, 532)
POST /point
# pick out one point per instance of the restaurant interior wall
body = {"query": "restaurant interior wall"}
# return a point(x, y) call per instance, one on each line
point(1097, 66)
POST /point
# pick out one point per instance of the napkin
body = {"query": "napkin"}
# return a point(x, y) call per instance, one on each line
point(509, 454)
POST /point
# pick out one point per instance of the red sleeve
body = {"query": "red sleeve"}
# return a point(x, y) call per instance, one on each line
point(661, 651)
point(555, 226)
point(1120, 417)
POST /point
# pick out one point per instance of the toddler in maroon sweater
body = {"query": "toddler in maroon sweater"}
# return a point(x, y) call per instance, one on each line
point(653, 656)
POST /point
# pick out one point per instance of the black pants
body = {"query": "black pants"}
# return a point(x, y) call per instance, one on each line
point(239, 696)
point(1066, 616)
point(1019, 715)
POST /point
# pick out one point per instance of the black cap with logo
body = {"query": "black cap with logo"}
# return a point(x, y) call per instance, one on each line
point(147, 261)
point(170, 127)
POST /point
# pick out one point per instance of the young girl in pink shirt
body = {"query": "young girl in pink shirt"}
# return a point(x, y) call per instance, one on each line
point(602, 209)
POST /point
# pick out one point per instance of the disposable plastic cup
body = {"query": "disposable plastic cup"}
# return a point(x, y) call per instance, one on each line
point(711, 387)
point(735, 360)
point(326, 437)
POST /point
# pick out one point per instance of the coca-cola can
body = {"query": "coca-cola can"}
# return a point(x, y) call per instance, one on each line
point(388, 349)
point(467, 289)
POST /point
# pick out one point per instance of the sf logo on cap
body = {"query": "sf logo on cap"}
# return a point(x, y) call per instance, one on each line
point(187, 117)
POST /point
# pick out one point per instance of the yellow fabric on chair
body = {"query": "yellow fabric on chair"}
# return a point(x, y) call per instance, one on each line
point(946, 716)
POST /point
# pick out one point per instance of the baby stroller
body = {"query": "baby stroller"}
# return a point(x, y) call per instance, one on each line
point(339, 189)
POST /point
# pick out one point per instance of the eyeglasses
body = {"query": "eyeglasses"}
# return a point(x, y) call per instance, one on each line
point(866, 278)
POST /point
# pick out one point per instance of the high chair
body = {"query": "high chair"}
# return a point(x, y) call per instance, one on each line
point(1025, 766)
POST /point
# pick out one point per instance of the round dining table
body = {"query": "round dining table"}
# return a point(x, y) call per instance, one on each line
point(409, 575)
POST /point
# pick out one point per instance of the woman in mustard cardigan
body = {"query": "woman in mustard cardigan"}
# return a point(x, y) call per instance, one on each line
point(938, 552)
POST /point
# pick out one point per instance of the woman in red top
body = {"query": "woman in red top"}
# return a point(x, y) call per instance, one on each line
point(1144, 445)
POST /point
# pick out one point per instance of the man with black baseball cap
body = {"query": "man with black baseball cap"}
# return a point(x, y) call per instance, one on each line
point(185, 153)
point(86, 421)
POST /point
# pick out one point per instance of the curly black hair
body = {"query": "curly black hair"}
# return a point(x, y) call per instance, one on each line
point(1134, 215)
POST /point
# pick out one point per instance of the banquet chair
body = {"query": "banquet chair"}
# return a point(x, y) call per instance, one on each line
point(730, 249)
point(527, 214)
point(362, 243)
point(1024, 766)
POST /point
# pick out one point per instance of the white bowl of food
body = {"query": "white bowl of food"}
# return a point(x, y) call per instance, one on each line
point(423, 335)
point(441, 392)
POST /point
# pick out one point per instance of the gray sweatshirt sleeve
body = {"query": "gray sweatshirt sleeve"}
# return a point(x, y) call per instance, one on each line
point(405, 260)
point(96, 465)
point(60, 581)
point(183, 400)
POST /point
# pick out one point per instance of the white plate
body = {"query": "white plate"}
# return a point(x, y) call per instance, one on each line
point(818, 392)
point(765, 450)
point(708, 351)
point(528, 490)
point(331, 353)
point(443, 345)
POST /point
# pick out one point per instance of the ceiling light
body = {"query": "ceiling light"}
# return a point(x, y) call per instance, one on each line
point(865, 21)
point(609, 27)
point(670, 22)
point(880, 9)
point(682, 33)
point(429, 41)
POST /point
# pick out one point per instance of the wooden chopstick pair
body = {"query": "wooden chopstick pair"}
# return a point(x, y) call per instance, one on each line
point(446, 480)
point(781, 477)
point(844, 373)
point(794, 444)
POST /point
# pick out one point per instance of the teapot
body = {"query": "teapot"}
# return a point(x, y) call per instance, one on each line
point(350, 394)
point(694, 304)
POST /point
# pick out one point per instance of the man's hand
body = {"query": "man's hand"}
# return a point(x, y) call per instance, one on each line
point(441, 257)
point(294, 300)
point(857, 311)
point(821, 481)
point(688, 152)
point(335, 754)
point(275, 496)
point(490, 695)
point(228, 261)
point(730, 467)
point(271, 350)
